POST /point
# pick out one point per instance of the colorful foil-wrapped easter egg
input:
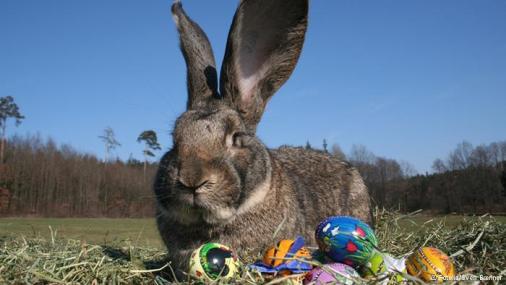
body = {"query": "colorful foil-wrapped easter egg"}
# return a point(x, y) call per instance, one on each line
point(374, 267)
point(384, 267)
point(333, 273)
point(285, 258)
point(213, 261)
point(278, 254)
point(346, 240)
point(430, 264)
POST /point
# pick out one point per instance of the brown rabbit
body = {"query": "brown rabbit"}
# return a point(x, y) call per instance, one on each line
point(219, 182)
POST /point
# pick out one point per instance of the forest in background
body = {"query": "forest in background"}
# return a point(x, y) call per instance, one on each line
point(41, 178)
point(471, 180)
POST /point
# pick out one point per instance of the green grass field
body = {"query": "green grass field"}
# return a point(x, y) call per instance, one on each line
point(141, 232)
point(450, 221)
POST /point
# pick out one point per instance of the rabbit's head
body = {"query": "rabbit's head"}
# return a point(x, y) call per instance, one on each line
point(217, 168)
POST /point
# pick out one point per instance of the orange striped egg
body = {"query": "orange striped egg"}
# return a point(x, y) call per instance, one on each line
point(277, 255)
point(430, 264)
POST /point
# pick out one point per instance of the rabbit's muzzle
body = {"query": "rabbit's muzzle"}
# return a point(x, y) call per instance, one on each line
point(193, 195)
point(197, 190)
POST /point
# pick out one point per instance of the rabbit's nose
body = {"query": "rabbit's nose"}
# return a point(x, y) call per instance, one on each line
point(191, 186)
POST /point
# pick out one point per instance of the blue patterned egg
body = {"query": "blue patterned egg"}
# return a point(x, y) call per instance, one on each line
point(346, 240)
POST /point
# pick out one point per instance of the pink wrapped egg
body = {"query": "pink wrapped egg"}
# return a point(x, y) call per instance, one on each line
point(333, 273)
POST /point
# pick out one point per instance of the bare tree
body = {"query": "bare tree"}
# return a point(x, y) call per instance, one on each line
point(365, 161)
point(494, 152)
point(8, 110)
point(385, 171)
point(110, 142)
point(359, 153)
point(480, 156)
point(502, 147)
point(336, 151)
point(439, 166)
point(460, 158)
point(407, 169)
point(150, 145)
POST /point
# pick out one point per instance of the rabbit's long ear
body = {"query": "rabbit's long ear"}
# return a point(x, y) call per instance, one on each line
point(202, 79)
point(264, 44)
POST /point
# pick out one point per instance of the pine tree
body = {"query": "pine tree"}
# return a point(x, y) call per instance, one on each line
point(151, 144)
point(8, 109)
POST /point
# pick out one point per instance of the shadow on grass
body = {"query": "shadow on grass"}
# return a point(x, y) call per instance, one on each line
point(120, 254)
point(115, 253)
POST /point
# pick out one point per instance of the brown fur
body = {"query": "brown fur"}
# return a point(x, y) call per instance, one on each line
point(219, 182)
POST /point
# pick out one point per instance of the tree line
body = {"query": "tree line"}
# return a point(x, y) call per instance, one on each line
point(41, 178)
point(469, 180)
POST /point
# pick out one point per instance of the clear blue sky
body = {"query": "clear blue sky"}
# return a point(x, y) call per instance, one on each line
point(408, 79)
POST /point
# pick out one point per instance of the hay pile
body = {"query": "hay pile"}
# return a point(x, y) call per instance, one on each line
point(478, 246)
